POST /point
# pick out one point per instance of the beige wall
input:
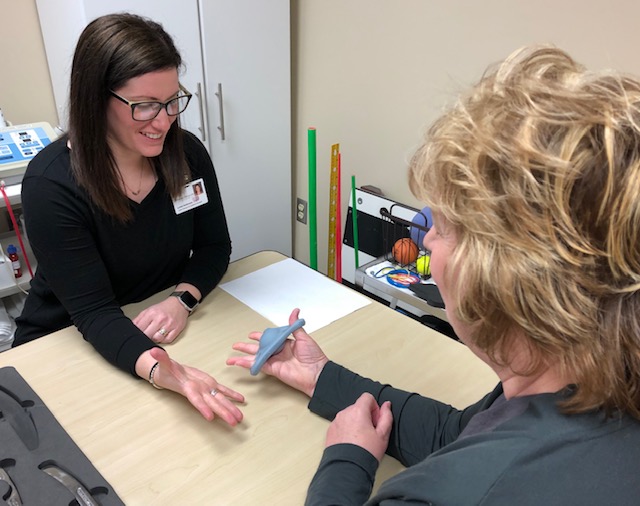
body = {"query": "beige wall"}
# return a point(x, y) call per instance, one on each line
point(371, 74)
point(25, 87)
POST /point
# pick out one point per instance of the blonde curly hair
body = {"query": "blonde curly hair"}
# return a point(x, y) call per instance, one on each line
point(538, 171)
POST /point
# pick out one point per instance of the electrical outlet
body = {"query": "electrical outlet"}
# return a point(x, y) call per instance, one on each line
point(301, 211)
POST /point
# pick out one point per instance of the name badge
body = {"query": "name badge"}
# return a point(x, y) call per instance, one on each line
point(194, 194)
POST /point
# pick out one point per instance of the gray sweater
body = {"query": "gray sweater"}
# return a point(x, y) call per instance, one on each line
point(495, 452)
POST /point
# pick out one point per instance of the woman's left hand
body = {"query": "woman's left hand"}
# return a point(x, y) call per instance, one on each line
point(209, 397)
point(163, 322)
point(364, 424)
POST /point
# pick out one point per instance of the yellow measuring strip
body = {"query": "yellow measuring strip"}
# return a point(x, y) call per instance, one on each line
point(333, 203)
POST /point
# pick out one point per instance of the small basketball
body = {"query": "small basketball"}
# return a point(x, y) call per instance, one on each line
point(405, 251)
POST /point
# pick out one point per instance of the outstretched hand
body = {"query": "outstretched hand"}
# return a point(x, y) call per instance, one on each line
point(208, 396)
point(365, 424)
point(299, 364)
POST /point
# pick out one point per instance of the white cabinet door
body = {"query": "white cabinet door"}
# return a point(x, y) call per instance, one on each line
point(62, 23)
point(246, 47)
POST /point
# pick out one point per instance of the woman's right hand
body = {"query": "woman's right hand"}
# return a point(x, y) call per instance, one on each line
point(299, 364)
point(210, 398)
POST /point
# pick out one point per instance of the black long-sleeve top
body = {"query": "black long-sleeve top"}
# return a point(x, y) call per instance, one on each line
point(89, 265)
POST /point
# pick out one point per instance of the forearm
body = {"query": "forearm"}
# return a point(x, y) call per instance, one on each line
point(345, 476)
point(337, 388)
point(117, 339)
point(205, 269)
point(436, 423)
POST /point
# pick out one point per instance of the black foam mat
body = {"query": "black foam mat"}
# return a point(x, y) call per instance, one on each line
point(31, 439)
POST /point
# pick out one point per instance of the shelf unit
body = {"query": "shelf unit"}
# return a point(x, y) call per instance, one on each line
point(8, 283)
point(397, 297)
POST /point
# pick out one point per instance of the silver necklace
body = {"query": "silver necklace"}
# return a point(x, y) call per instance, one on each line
point(135, 193)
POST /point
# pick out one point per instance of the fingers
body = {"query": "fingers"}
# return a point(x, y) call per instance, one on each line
point(160, 330)
point(255, 336)
point(245, 362)
point(381, 416)
point(228, 393)
point(163, 335)
point(364, 424)
point(218, 403)
point(251, 348)
point(228, 412)
point(161, 323)
point(293, 317)
point(367, 401)
point(223, 408)
point(295, 314)
point(384, 422)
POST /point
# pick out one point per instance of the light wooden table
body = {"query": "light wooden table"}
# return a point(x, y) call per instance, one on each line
point(154, 448)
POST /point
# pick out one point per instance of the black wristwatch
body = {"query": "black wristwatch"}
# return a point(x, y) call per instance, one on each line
point(189, 302)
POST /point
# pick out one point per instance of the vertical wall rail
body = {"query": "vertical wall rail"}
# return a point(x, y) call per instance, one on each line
point(313, 223)
point(221, 109)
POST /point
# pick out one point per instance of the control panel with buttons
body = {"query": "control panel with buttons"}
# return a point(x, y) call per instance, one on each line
point(18, 145)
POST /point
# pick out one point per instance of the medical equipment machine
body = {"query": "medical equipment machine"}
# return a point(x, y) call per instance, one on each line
point(18, 145)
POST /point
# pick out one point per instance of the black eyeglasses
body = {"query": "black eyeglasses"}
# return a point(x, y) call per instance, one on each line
point(146, 111)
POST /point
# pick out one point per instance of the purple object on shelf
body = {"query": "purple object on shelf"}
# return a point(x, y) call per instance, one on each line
point(422, 219)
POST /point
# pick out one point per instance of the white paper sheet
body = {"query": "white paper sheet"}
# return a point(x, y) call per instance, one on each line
point(274, 291)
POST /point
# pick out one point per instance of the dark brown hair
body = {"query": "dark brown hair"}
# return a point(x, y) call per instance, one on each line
point(111, 50)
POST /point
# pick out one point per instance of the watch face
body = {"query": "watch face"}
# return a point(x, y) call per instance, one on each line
point(189, 299)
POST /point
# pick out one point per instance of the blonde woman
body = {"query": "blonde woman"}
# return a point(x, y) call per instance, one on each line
point(534, 182)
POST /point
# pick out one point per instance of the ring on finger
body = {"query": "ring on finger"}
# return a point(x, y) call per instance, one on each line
point(162, 331)
point(214, 392)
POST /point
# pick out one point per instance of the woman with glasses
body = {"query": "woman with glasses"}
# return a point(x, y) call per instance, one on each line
point(109, 216)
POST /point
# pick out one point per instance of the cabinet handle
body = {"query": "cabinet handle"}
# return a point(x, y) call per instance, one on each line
point(219, 95)
point(202, 129)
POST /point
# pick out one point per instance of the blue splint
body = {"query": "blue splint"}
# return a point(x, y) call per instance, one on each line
point(272, 342)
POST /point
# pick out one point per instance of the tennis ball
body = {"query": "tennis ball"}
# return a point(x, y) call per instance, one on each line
point(423, 265)
point(405, 251)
